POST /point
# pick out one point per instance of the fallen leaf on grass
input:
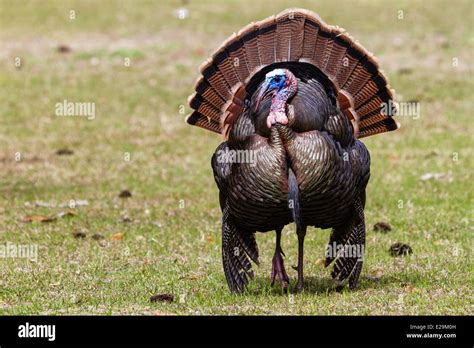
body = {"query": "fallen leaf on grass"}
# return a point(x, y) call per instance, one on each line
point(63, 48)
point(42, 204)
point(375, 275)
point(74, 203)
point(435, 176)
point(320, 262)
point(410, 288)
point(37, 218)
point(432, 154)
point(382, 227)
point(117, 236)
point(162, 298)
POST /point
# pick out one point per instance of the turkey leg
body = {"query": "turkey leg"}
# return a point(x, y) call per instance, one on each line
point(301, 234)
point(278, 267)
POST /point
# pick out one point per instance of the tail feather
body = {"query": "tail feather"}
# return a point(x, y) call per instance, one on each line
point(379, 127)
point(266, 40)
point(377, 102)
point(216, 79)
point(294, 199)
point(204, 107)
point(249, 38)
point(293, 36)
point(324, 36)
point(326, 54)
point(349, 62)
point(225, 66)
point(339, 48)
point(234, 109)
point(297, 35)
point(376, 84)
point(200, 120)
point(290, 35)
point(283, 33)
point(360, 76)
point(310, 36)
point(238, 58)
point(207, 92)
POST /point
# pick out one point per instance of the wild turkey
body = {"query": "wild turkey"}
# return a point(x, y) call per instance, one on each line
point(294, 94)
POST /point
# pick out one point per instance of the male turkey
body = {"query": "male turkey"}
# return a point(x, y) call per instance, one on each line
point(294, 94)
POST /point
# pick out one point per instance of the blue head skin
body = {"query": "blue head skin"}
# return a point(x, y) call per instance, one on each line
point(276, 79)
point(282, 84)
point(274, 82)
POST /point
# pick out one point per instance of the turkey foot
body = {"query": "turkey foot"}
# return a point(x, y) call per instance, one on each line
point(278, 267)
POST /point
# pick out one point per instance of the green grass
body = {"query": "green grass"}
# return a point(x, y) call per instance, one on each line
point(173, 243)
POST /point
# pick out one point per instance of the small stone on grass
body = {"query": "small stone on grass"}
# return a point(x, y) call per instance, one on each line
point(79, 234)
point(64, 152)
point(125, 194)
point(162, 298)
point(400, 249)
point(382, 227)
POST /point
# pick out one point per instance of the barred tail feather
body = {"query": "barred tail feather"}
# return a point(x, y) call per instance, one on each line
point(294, 35)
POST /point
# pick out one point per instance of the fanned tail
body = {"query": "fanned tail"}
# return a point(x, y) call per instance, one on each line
point(294, 35)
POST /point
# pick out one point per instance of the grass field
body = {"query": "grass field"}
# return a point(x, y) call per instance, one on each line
point(165, 238)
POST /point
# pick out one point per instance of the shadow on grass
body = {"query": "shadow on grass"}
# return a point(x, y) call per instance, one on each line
point(320, 285)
